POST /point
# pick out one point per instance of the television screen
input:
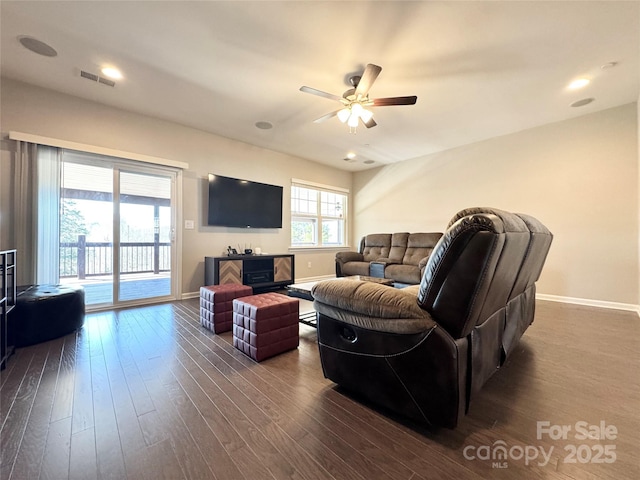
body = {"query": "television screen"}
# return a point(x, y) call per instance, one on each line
point(240, 203)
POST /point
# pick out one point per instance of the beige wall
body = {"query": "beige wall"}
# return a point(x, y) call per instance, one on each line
point(34, 110)
point(579, 177)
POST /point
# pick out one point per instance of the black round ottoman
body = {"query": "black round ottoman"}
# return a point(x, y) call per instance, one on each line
point(45, 312)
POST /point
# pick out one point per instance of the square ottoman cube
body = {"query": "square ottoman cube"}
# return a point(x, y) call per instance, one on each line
point(265, 325)
point(216, 305)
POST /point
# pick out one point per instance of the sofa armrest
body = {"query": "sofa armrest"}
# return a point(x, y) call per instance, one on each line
point(371, 306)
point(376, 267)
point(344, 257)
point(422, 265)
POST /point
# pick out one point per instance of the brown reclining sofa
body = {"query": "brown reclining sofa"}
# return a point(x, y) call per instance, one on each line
point(425, 351)
point(400, 257)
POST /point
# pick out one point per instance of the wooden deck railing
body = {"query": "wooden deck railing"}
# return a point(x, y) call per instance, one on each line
point(85, 259)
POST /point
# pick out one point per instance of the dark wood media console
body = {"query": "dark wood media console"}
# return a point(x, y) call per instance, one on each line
point(262, 272)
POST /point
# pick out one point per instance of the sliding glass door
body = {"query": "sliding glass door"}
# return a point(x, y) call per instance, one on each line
point(116, 230)
point(86, 229)
point(145, 236)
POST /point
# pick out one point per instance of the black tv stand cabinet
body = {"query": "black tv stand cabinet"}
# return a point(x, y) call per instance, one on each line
point(8, 294)
point(262, 272)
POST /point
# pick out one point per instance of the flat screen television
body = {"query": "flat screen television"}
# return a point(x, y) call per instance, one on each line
point(244, 204)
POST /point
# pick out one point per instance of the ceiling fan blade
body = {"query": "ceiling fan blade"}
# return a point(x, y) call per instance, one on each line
point(320, 93)
point(326, 117)
point(369, 76)
point(371, 123)
point(385, 102)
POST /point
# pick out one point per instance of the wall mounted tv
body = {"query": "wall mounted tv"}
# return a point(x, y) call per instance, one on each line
point(240, 203)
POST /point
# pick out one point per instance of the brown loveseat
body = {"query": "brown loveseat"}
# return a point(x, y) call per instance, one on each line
point(397, 256)
point(425, 351)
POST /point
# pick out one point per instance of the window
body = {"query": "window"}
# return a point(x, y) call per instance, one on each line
point(318, 216)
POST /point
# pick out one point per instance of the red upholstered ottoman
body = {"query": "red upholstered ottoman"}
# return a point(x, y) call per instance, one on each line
point(265, 325)
point(216, 307)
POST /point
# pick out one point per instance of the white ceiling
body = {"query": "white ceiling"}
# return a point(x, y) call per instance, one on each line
point(479, 69)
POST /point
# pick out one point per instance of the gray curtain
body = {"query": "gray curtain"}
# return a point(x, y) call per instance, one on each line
point(35, 207)
point(23, 211)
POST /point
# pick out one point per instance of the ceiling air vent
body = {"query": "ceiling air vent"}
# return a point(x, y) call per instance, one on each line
point(96, 78)
point(106, 81)
point(89, 76)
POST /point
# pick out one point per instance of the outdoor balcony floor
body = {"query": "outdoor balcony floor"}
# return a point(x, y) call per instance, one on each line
point(99, 290)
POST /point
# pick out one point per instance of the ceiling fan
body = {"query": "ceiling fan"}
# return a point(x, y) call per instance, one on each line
point(356, 101)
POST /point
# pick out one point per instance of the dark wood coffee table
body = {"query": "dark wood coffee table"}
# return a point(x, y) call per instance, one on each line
point(303, 290)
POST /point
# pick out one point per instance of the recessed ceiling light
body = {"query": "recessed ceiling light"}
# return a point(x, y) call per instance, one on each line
point(579, 83)
point(351, 155)
point(37, 46)
point(369, 162)
point(608, 65)
point(582, 103)
point(112, 73)
point(264, 125)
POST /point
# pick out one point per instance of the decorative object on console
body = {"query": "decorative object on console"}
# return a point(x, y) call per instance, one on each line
point(425, 351)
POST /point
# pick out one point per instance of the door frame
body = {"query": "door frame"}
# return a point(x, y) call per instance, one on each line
point(123, 165)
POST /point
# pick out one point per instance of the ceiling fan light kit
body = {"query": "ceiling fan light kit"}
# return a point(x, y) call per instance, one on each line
point(356, 100)
point(344, 114)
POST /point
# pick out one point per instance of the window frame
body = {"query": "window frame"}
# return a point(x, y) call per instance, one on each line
point(318, 217)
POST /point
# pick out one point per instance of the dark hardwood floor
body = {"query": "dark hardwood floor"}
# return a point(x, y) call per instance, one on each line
point(146, 393)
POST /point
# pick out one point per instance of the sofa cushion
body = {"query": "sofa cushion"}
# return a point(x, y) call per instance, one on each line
point(376, 245)
point(372, 306)
point(355, 268)
point(419, 247)
point(403, 273)
point(398, 247)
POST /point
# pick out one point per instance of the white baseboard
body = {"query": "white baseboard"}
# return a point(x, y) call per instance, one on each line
point(590, 303)
point(188, 295)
